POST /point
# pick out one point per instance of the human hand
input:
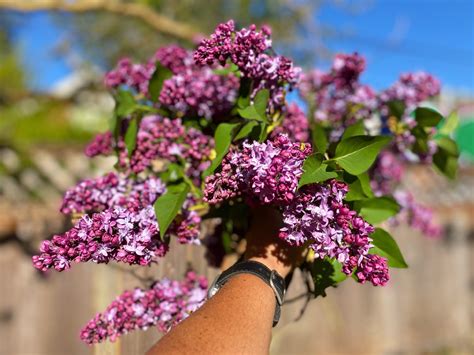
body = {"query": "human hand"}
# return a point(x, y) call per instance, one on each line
point(264, 245)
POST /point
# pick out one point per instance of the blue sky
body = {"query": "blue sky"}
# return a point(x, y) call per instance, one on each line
point(406, 35)
point(395, 36)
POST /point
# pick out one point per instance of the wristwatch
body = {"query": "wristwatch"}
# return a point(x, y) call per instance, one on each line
point(270, 277)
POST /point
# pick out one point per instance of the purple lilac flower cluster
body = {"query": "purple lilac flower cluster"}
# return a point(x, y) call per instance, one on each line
point(318, 216)
point(102, 144)
point(113, 190)
point(387, 172)
point(110, 190)
point(338, 97)
point(295, 124)
point(200, 93)
point(191, 91)
point(126, 73)
point(412, 89)
point(165, 139)
point(164, 305)
point(415, 215)
point(247, 49)
point(118, 234)
point(266, 172)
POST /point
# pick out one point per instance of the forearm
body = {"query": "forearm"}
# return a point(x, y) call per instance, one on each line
point(237, 320)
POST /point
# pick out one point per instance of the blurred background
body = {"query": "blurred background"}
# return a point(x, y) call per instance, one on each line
point(53, 54)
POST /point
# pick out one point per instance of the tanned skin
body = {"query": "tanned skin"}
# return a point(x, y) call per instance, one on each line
point(238, 319)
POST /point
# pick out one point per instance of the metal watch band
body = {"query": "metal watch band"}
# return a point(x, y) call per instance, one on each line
point(270, 277)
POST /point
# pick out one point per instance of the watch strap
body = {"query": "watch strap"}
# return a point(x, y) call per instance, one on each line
point(270, 277)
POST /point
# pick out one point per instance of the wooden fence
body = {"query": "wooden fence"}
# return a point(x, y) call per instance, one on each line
point(427, 309)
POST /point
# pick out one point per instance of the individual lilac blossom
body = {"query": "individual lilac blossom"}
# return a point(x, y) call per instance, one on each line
point(110, 190)
point(164, 305)
point(318, 217)
point(102, 144)
point(247, 49)
point(294, 124)
point(117, 234)
point(266, 172)
point(416, 215)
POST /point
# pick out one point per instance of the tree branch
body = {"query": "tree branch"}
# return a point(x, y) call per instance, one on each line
point(155, 20)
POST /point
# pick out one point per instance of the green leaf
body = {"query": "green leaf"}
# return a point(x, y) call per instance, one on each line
point(448, 144)
point(244, 92)
point(155, 84)
point(223, 139)
point(377, 209)
point(326, 273)
point(386, 246)
point(168, 205)
point(445, 159)
point(445, 163)
point(246, 130)
point(427, 116)
point(319, 138)
point(131, 135)
point(356, 154)
point(261, 101)
point(449, 124)
point(125, 103)
point(257, 110)
point(396, 108)
point(365, 183)
point(263, 132)
point(357, 129)
point(359, 186)
point(315, 171)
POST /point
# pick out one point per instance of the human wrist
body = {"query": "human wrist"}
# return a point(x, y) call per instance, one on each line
point(272, 263)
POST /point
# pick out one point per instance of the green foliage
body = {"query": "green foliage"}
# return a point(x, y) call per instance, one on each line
point(386, 246)
point(222, 139)
point(168, 205)
point(125, 103)
point(445, 160)
point(326, 273)
point(319, 138)
point(131, 135)
point(359, 186)
point(356, 154)
point(246, 130)
point(396, 108)
point(357, 129)
point(257, 110)
point(314, 170)
point(377, 209)
point(155, 85)
point(448, 125)
point(427, 116)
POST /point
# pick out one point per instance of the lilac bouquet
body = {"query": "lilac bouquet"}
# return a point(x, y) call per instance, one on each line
point(209, 134)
